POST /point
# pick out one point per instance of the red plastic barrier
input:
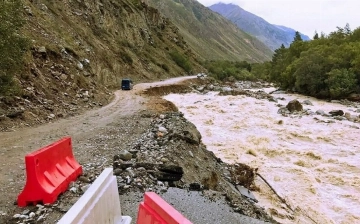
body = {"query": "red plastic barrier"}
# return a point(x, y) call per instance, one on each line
point(154, 210)
point(49, 172)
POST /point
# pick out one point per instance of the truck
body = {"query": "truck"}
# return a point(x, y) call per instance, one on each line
point(126, 84)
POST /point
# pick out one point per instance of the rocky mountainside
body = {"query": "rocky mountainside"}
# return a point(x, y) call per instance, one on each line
point(209, 34)
point(271, 35)
point(80, 49)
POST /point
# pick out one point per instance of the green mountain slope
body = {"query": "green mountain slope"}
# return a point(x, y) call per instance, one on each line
point(271, 35)
point(210, 35)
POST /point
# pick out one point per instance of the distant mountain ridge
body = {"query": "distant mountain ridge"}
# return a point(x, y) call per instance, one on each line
point(271, 35)
point(209, 34)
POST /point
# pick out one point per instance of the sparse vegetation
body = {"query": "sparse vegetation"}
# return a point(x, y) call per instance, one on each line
point(181, 60)
point(12, 45)
point(229, 70)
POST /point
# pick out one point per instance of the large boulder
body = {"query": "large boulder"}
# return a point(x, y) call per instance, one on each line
point(294, 105)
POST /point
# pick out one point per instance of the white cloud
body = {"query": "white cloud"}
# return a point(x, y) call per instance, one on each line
point(305, 16)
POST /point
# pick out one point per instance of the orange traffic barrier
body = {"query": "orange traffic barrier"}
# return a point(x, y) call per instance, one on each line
point(154, 210)
point(49, 172)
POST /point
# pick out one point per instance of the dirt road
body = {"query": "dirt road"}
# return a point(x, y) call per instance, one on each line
point(86, 129)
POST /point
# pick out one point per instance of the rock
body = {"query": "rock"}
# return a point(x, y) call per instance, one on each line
point(85, 187)
point(80, 66)
point(294, 105)
point(73, 190)
point(339, 118)
point(84, 179)
point(162, 116)
point(348, 115)
point(16, 216)
point(63, 77)
point(40, 206)
point(283, 110)
point(42, 49)
point(307, 102)
point(15, 114)
point(164, 160)
point(354, 97)
point(195, 187)
point(125, 155)
point(190, 134)
point(162, 129)
point(28, 10)
point(272, 99)
point(320, 112)
point(24, 217)
point(31, 215)
point(335, 101)
point(336, 113)
point(40, 218)
point(118, 171)
point(191, 154)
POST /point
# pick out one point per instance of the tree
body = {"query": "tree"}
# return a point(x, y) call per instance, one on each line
point(316, 36)
point(12, 44)
point(297, 37)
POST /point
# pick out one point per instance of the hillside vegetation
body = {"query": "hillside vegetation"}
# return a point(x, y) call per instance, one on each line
point(210, 35)
point(271, 35)
point(326, 67)
point(61, 57)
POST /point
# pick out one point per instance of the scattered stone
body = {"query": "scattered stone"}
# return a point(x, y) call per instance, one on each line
point(31, 215)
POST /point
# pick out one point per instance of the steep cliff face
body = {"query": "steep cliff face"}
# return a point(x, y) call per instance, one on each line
point(79, 49)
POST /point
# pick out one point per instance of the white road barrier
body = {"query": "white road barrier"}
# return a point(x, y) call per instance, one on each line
point(99, 204)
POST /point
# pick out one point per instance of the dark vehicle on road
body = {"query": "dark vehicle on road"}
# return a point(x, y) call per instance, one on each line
point(126, 84)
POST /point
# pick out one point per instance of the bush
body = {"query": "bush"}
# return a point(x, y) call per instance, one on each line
point(225, 70)
point(12, 44)
point(341, 82)
point(181, 61)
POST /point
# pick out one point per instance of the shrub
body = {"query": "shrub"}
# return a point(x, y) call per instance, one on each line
point(12, 44)
point(181, 61)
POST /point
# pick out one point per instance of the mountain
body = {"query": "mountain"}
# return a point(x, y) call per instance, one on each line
point(210, 35)
point(271, 35)
point(81, 49)
point(291, 32)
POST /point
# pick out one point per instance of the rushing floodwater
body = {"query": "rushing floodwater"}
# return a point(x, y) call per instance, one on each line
point(314, 166)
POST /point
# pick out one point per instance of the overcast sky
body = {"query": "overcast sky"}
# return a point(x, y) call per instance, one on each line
point(305, 16)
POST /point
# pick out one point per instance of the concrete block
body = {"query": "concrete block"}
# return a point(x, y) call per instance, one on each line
point(99, 204)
